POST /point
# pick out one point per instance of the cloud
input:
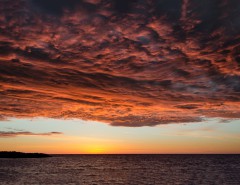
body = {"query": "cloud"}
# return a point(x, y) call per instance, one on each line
point(4, 134)
point(138, 63)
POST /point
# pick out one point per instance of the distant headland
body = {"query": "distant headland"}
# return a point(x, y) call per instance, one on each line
point(14, 154)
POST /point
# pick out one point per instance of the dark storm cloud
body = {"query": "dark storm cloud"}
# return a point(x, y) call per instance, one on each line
point(126, 63)
point(54, 6)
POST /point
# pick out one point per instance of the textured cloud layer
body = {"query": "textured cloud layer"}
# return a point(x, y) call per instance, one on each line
point(126, 63)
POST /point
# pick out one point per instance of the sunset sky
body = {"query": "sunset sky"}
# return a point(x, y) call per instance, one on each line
point(119, 76)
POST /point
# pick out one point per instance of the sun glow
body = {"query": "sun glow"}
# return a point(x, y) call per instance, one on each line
point(95, 149)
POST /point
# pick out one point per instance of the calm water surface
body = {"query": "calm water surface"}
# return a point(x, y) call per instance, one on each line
point(123, 169)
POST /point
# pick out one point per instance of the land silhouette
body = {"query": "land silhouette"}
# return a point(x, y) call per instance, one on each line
point(14, 154)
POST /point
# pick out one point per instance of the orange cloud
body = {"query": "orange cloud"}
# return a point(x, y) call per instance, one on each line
point(124, 63)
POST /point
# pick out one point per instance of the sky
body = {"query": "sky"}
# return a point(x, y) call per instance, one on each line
point(86, 137)
point(119, 76)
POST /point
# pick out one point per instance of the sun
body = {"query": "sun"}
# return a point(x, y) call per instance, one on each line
point(95, 149)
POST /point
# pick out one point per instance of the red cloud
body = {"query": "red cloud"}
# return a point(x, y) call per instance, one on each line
point(150, 63)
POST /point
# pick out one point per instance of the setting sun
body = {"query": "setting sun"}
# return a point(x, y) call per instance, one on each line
point(95, 149)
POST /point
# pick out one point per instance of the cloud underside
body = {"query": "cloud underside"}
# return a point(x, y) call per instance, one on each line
point(138, 63)
point(4, 134)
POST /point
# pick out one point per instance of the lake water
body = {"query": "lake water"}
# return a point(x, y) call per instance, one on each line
point(123, 169)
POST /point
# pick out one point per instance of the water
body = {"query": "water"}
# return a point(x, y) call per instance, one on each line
point(123, 169)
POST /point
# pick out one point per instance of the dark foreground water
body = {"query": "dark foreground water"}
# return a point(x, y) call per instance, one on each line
point(123, 169)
